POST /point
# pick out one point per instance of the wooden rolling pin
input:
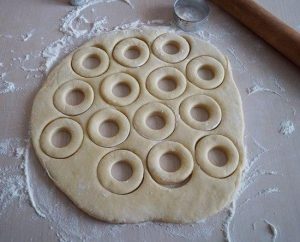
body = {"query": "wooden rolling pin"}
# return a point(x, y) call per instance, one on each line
point(279, 35)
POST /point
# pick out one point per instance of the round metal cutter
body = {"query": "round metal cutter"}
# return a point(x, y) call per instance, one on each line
point(190, 14)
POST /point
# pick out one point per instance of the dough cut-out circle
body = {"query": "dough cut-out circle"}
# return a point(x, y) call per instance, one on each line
point(151, 120)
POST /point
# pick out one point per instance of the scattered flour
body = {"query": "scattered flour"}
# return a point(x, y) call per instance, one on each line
point(24, 58)
point(257, 88)
point(263, 192)
point(129, 3)
point(98, 26)
point(25, 37)
point(7, 87)
point(12, 180)
point(12, 147)
point(231, 210)
point(30, 69)
point(286, 127)
point(52, 51)
point(272, 229)
point(6, 36)
point(232, 51)
point(2, 75)
point(158, 22)
point(28, 183)
point(251, 173)
point(13, 187)
point(138, 24)
point(278, 85)
point(70, 33)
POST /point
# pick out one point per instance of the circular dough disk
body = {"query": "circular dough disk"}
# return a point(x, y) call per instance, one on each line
point(109, 182)
point(205, 102)
point(154, 123)
point(182, 46)
point(61, 124)
point(134, 44)
point(105, 115)
point(106, 89)
point(209, 64)
point(155, 109)
point(164, 177)
point(166, 73)
point(221, 142)
point(90, 52)
point(61, 93)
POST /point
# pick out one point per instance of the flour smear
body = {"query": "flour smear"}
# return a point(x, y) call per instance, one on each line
point(286, 127)
point(12, 180)
point(272, 229)
point(26, 181)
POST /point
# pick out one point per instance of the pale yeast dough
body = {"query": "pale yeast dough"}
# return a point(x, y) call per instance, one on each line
point(82, 169)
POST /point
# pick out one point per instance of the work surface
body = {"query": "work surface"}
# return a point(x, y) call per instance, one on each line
point(34, 35)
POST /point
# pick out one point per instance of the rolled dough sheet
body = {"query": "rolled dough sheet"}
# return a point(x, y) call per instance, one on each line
point(82, 168)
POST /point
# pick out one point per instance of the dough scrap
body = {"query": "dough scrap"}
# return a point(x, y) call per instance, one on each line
point(82, 169)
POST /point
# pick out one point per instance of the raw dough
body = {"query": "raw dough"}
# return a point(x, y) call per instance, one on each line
point(82, 169)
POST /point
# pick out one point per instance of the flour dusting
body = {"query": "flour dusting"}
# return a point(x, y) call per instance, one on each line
point(278, 85)
point(12, 182)
point(12, 147)
point(2, 75)
point(25, 37)
point(251, 173)
point(286, 127)
point(13, 188)
point(129, 3)
point(257, 88)
point(232, 51)
point(231, 210)
point(7, 87)
point(272, 229)
point(6, 36)
point(71, 32)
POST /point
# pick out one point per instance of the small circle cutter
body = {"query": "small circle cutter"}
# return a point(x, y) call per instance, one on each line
point(189, 15)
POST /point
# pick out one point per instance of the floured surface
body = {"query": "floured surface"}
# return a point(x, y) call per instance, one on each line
point(269, 191)
point(83, 167)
